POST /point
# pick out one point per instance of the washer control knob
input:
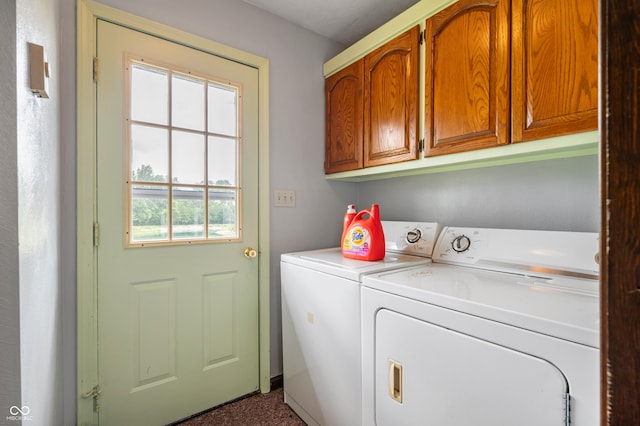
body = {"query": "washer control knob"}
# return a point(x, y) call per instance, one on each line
point(461, 243)
point(414, 236)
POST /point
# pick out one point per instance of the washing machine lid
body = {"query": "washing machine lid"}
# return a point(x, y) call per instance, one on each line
point(406, 244)
point(543, 281)
point(330, 261)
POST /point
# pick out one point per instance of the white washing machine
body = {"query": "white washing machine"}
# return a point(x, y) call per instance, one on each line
point(321, 322)
point(501, 329)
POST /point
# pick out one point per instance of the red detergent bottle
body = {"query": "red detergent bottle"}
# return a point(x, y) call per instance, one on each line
point(363, 238)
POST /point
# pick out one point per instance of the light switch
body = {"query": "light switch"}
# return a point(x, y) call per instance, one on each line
point(284, 198)
point(38, 71)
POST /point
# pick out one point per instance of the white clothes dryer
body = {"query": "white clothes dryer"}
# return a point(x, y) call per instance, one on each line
point(501, 329)
point(320, 292)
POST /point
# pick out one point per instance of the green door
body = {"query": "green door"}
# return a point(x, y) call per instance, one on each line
point(177, 207)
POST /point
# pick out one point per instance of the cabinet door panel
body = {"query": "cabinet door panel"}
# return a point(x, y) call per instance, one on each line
point(467, 77)
point(391, 101)
point(555, 67)
point(344, 115)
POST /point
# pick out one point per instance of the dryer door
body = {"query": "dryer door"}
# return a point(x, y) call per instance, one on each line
point(431, 375)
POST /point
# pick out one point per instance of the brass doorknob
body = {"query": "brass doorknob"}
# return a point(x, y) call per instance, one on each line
point(250, 253)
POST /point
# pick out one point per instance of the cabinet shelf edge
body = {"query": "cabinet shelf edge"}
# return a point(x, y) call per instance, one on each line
point(575, 145)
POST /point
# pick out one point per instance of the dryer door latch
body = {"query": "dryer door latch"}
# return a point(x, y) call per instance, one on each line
point(395, 381)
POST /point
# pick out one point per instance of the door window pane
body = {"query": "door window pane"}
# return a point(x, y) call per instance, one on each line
point(149, 94)
point(187, 102)
point(222, 153)
point(184, 170)
point(222, 107)
point(187, 213)
point(149, 154)
point(222, 213)
point(187, 157)
point(149, 213)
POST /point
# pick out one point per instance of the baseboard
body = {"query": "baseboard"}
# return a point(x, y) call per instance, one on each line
point(277, 382)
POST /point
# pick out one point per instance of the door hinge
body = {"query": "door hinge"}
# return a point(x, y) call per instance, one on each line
point(421, 145)
point(95, 394)
point(96, 234)
point(423, 35)
point(567, 409)
point(95, 69)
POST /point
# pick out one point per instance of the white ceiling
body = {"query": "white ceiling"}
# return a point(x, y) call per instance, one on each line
point(345, 21)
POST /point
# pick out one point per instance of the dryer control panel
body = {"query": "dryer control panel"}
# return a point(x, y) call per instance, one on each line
point(515, 250)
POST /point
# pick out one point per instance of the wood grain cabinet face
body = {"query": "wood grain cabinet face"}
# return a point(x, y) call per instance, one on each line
point(467, 81)
point(391, 84)
point(344, 119)
point(555, 67)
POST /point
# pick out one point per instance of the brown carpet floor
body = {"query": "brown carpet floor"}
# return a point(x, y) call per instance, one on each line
point(258, 410)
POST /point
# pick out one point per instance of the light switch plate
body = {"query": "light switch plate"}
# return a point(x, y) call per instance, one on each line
point(284, 198)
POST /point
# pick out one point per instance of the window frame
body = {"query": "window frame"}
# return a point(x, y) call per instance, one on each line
point(132, 60)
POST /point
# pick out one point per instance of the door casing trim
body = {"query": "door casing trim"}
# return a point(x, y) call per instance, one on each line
point(88, 12)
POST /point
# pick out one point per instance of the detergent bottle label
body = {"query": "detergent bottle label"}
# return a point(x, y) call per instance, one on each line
point(357, 241)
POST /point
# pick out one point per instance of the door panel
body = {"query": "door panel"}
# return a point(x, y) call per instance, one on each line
point(436, 376)
point(177, 324)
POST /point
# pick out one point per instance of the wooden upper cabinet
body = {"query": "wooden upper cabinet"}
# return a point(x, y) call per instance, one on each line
point(467, 93)
point(391, 83)
point(344, 116)
point(555, 67)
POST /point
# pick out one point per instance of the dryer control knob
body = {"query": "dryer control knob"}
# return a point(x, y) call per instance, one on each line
point(414, 236)
point(461, 243)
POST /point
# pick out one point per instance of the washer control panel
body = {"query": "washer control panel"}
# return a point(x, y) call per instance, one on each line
point(416, 238)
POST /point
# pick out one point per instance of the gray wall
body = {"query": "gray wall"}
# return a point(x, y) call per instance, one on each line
point(558, 194)
point(9, 270)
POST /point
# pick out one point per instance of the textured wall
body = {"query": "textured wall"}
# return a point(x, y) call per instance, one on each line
point(38, 123)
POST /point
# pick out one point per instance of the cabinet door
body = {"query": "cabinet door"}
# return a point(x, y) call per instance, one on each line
point(467, 77)
point(391, 101)
point(555, 67)
point(344, 108)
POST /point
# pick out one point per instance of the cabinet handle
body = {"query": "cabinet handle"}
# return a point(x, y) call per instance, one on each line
point(395, 381)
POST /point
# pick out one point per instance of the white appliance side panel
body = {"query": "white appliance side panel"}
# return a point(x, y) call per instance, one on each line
point(321, 345)
point(449, 378)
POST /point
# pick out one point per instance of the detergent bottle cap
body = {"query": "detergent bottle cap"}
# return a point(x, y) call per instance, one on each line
point(351, 208)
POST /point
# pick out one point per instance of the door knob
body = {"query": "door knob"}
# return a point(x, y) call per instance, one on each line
point(250, 253)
